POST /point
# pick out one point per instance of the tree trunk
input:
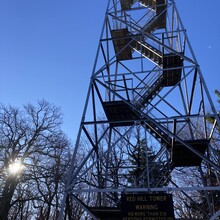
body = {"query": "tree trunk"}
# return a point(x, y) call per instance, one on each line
point(7, 194)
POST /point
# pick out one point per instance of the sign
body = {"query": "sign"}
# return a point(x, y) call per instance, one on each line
point(147, 207)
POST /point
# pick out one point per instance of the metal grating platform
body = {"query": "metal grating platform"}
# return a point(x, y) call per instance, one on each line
point(174, 63)
point(121, 42)
point(106, 213)
point(183, 157)
point(120, 113)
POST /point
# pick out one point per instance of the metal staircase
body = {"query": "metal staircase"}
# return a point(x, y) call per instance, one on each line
point(120, 113)
point(159, 21)
point(148, 51)
point(170, 64)
point(158, 6)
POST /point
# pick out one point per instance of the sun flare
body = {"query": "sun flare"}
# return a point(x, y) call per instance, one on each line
point(16, 167)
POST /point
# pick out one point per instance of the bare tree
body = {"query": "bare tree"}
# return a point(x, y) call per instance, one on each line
point(32, 150)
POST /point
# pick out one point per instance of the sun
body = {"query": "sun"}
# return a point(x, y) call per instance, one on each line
point(16, 167)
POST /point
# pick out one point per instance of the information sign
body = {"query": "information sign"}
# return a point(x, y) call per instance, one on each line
point(147, 207)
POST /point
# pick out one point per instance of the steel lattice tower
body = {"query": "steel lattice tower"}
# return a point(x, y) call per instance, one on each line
point(146, 86)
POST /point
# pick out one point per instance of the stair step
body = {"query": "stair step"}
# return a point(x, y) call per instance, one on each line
point(148, 50)
point(149, 3)
point(158, 133)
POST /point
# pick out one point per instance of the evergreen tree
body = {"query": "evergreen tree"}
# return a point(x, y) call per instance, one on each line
point(146, 171)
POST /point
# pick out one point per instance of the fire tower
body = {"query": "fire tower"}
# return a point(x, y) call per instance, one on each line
point(146, 87)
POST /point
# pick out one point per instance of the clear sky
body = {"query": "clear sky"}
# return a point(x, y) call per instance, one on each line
point(48, 47)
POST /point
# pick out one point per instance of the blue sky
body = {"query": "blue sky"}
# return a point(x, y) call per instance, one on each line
point(48, 47)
